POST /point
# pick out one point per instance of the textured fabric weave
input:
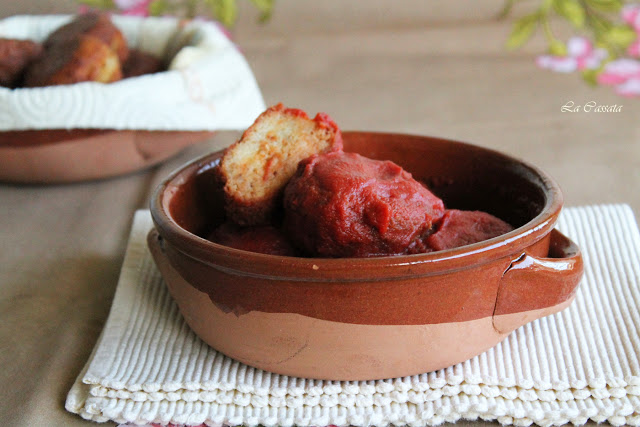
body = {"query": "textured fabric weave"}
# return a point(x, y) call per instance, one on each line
point(580, 364)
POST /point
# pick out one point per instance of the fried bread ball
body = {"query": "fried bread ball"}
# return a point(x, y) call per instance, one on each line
point(86, 59)
point(97, 25)
point(140, 63)
point(255, 169)
point(15, 55)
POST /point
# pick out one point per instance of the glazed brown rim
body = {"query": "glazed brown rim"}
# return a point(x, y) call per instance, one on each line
point(399, 267)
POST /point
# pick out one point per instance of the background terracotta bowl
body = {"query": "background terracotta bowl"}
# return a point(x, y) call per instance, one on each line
point(58, 155)
point(372, 318)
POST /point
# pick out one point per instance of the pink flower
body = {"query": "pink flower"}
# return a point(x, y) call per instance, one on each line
point(580, 56)
point(629, 88)
point(133, 7)
point(624, 74)
point(619, 71)
point(128, 4)
point(631, 15)
point(559, 64)
point(634, 49)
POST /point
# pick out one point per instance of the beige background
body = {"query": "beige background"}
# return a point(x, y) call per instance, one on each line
point(434, 67)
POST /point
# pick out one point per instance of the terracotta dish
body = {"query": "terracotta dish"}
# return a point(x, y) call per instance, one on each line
point(372, 318)
point(57, 156)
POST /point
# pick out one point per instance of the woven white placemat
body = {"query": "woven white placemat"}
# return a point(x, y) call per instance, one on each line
point(580, 364)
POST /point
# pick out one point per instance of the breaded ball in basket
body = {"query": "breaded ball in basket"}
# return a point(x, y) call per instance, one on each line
point(89, 48)
point(15, 55)
point(97, 25)
point(140, 63)
point(85, 59)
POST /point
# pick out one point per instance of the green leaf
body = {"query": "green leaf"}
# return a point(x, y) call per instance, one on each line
point(606, 5)
point(101, 4)
point(620, 35)
point(557, 48)
point(600, 28)
point(591, 77)
point(522, 30)
point(572, 10)
point(506, 9)
point(157, 7)
point(224, 11)
point(265, 7)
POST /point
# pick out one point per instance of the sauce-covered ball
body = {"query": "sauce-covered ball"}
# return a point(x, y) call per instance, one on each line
point(346, 205)
point(264, 239)
point(460, 228)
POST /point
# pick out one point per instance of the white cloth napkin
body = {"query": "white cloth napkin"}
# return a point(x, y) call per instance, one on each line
point(580, 364)
point(209, 85)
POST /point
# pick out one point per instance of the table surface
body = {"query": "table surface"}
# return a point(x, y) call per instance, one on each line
point(437, 68)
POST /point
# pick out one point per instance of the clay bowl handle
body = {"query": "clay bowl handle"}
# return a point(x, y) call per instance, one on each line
point(534, 287)
point(154, 243)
